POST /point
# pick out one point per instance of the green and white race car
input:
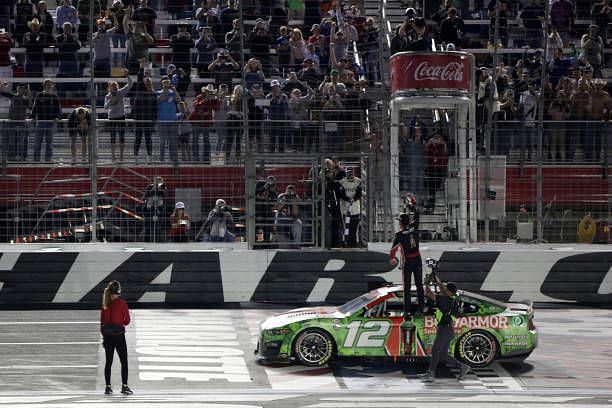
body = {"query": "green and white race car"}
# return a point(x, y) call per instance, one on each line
point(371, 326)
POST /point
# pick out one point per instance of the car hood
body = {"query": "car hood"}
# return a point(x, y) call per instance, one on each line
point(298, 315)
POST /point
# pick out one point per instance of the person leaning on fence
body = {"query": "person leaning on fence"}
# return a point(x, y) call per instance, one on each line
point(114, 316)
point(217, 224)
point(15, 134)
point(79, 124)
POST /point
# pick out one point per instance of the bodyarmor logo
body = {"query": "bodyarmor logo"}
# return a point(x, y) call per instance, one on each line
point(453, 71)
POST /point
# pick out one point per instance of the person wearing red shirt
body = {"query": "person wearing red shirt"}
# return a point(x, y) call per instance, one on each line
point(180, 223)
point(114, 316)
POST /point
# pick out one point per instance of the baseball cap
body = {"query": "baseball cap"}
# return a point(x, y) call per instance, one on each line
point(274, 82)
point(309, 60)
point(315, 27)
point(179, 204)
point(410, 12)
point(171, 67)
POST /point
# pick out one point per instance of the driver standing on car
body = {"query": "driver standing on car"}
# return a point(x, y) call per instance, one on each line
point(445, 332)
point(406, 242)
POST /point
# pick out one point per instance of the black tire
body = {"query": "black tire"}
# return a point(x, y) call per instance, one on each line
point(313, 348)
point(477, 348)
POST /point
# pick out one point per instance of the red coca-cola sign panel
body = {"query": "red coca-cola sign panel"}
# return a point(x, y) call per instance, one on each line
point(430, 71)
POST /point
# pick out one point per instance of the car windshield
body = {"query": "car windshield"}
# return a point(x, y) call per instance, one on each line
point(353, 305)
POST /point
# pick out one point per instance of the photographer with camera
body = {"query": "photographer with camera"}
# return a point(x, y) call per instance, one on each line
point(447, 307)
point(216, 226)
point(223, 68)
point(406, 242)
point(287, 222)
point(265, 200)
point(181, 44)
point(154, 210)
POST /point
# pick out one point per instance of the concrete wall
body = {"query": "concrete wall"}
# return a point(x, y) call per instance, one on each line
point(195, 274)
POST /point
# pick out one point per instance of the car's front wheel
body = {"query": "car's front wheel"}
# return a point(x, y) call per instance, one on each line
point(477, 348)
point(313, 348)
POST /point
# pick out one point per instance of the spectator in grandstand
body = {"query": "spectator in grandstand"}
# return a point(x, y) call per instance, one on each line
point(34, 42)
point(278, 113)
point(338, 43)
point(15, 132)
point(442, 13)
point(6, 68)
point(506, 122)
point(180, 223)
point(528, 105)
point(534, 66)
point(45, 111)
point(299, 115)
point(558, 113)
point(259, 42)
point(204, 107)
point(370, 51)
point(217, 224)
point(146, 15)
point(206, 47)
point(283, 49)
point(117, 13)
point(220, 118)
point(558, 67)
point(592, 48)
point(67, 46)
point(297, 46)
point(115, 108)
point(185, 131)
point(45, 18)
point(201, 13)
point(137, 43)
point(554, 42)
point(79, 123)
point(234, 129)
point(65, 13)
point(256, 104)
point(532, 16)
point(562, 14)
point(452, 29)
point(154, 210)
point(232, 39)
point(181, 44)
point(144, 113)
point(279, 17)
point(83, 9)
point(579, 112)
point(308, 74)
point(223, 68)
point(599, 119)
point(265, 201)
point(228, 15)
point(253, 73)
point(101, 43)
point(24, 13)
point(350, 191)
point(437, 164)
point(292, 82)
point(167, 102)
point(601, 13)
point(179, 78)
point(331, 85)
point(287, 220)
point(503, 22)
point(412, 156)
point(332, 116)
point(310, 53)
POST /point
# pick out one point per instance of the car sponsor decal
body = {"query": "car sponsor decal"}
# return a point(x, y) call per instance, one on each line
point(469, 322)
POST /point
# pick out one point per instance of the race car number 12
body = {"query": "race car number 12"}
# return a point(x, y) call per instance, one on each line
point(373, 333)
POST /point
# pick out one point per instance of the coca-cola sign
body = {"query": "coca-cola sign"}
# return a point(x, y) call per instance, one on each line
point(411, 71)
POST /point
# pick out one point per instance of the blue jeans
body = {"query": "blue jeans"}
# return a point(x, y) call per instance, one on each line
point(195, 142)
point(168, 136)
point(44, 129)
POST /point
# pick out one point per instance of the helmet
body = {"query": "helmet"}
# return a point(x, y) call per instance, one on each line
point(451, 286)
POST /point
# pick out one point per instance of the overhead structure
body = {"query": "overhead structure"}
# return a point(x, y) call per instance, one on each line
point(439, 81)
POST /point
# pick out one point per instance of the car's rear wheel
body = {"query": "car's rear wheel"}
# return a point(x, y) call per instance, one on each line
point(477, 348)
point(313, 347)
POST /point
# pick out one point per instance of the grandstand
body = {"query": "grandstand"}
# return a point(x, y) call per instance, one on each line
point(277, 88)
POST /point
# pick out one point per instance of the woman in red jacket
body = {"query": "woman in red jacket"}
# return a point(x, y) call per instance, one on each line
point(114, 316)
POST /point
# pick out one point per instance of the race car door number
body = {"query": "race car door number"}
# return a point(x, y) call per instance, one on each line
point(373, 333)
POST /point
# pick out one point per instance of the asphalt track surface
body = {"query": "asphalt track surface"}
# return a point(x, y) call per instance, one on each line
point(204, 358)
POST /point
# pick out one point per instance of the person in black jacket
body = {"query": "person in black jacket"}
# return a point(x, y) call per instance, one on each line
point(144, 112)
point(67, 47)
point(79, 123)
point(181, 44)
point(34, 42)
point(406, 243)
point(45, 111)
point(16, 135)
